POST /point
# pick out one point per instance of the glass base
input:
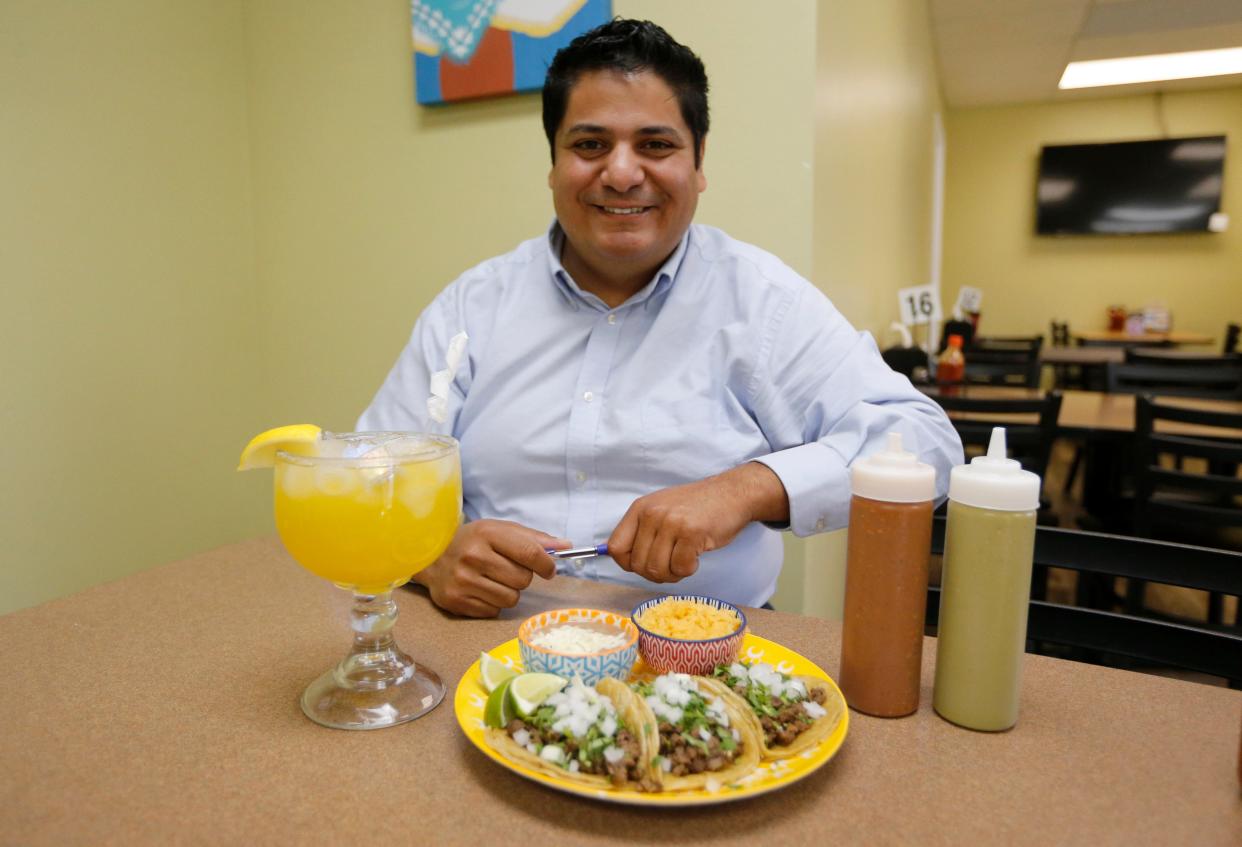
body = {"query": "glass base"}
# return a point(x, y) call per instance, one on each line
point(344, 700)
point(377, 684)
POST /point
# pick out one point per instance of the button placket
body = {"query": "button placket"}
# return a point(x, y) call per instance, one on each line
point(584, 418)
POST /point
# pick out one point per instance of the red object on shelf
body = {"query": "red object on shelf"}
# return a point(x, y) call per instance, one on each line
point(951, 366)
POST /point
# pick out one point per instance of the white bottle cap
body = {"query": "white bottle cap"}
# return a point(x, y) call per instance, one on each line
point(894, 475)
point(995, 482)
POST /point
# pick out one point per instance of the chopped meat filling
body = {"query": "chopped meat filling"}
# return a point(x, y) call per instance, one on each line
point(692, 756)
point(790, 720)
point(628, 768)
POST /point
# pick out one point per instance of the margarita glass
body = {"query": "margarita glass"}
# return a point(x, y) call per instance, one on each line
point(368, 511)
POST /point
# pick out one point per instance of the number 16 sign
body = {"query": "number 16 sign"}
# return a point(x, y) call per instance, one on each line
point(919, 304)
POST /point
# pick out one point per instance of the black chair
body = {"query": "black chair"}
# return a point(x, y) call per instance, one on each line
point(905, 360)
point(1030, 425)
point(1030, 428)
point(1008, 343)
point(1222, 380)
point(1231, 338)
point(955, 327)
point(1180, 358)
point(1095, 634)
point(1178, 503)
point(1004, 361)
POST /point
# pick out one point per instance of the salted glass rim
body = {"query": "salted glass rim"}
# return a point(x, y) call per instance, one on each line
point(434, 447)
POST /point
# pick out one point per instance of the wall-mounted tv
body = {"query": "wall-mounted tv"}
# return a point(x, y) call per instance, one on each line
point(1130, 187)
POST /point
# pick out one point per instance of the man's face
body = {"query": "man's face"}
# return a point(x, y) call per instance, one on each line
point(624, 182)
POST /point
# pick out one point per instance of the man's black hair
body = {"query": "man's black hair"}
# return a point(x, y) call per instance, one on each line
point(630, 47)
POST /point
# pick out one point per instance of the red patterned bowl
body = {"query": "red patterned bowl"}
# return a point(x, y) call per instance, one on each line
point(676, 655)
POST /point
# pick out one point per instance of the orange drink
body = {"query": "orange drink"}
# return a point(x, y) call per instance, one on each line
point(365, 510)
point(369, 524)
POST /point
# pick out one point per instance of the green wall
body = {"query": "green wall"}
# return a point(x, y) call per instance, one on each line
point(221, 216)
point(1029, 280)
point(130, 337)
point(876, 98)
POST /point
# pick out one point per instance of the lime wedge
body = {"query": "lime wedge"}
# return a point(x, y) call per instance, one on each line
point(498, 710)
point(493, 671)
point(528, 690)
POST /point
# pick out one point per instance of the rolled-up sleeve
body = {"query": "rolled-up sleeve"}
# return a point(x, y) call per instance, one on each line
point(824, 397)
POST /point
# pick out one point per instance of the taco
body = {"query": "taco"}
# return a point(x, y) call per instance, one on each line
point(790, 714)
point(591, 736)
point(702, 737)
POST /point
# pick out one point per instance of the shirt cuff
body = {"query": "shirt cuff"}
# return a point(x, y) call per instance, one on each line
point(817, 483)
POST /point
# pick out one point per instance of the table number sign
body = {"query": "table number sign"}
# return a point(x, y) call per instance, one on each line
point(969, 300)
point(919, 304)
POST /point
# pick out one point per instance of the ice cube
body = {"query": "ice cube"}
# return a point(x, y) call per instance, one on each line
point(297, 480)
point(336, 481)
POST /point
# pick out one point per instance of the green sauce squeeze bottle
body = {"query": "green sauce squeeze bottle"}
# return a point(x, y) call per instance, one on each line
point(985, 590)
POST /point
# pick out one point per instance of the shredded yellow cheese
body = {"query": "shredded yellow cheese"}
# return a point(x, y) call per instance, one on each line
point(688, 620)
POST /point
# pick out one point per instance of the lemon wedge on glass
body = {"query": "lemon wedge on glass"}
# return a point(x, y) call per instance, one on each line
point(299, 439)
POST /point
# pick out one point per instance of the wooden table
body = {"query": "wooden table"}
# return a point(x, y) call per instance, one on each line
point(1080, 354)
point(164, 708)
point(1127, 339)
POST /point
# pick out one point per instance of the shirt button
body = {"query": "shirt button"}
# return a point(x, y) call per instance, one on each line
point(612, 319)
point(580, 476)
point(588, 396)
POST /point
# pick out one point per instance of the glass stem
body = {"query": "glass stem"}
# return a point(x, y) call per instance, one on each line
point(375, 660)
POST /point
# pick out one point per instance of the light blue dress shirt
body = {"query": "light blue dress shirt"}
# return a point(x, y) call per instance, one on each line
point(567, 411)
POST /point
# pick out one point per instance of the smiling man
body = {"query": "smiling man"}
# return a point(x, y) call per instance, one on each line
point(634, 378)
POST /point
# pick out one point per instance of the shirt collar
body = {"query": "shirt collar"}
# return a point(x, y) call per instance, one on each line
point(576, 297)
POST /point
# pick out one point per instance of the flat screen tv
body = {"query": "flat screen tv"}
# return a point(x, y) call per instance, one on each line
point(1130, 187)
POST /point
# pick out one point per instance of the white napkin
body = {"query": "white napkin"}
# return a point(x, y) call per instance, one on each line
point(441, 381)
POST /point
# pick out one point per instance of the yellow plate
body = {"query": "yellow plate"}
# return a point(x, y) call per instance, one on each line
point(470, 697)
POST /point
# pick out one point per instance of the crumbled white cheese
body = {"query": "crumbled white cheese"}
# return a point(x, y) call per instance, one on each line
point(576, 640)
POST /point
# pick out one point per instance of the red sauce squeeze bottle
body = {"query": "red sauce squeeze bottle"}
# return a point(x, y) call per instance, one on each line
point(887, 551)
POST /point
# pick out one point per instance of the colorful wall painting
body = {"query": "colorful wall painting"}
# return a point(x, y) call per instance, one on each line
point(465, 49)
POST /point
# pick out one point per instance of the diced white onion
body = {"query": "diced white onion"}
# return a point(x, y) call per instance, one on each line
point(552, 753)
point(613, 754)
point(573, 766)
point(531, 748)
point(666, 764)
point(521, 738)
point(704, 734)
point(813, 709)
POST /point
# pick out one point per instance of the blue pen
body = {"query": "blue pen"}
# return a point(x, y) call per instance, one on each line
point(576, 553)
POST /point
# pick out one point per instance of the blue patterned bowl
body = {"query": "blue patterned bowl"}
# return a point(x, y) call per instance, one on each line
point(592, 667)
point(680, 655)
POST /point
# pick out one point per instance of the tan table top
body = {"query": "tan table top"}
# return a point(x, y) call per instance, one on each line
point(1081, 355)
point(163, 708)
point(1122, 337)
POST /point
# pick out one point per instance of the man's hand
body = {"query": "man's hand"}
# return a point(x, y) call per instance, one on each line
point(487, 566)
point(663, 534)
